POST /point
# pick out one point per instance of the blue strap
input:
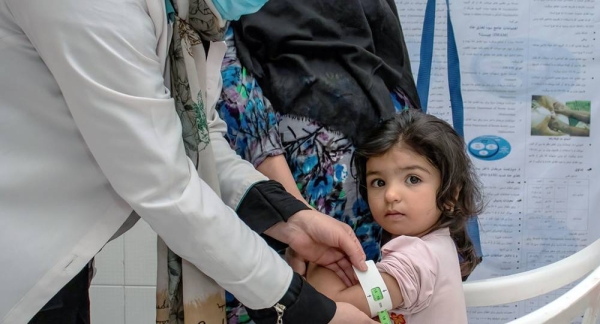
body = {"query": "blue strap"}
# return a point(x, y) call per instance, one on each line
point(456, 101)
point(473, 232)
point(426, 55)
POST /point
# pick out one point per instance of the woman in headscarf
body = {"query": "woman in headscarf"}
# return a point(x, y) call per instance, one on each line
point(303, 82)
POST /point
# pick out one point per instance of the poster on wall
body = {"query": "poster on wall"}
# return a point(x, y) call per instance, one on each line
point(530, 86)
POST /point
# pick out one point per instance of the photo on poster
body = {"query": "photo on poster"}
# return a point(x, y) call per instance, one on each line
point(551, 117)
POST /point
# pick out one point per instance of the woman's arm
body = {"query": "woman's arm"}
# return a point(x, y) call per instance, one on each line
point(251, 126)
point(276, 168)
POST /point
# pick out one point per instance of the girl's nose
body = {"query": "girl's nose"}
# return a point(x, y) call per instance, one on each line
point(392, 194)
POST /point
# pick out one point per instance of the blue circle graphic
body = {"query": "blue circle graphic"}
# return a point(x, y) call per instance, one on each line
point(489, 147)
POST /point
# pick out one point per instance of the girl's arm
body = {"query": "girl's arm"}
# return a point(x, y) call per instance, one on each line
point(329, 284)
point(276, 168)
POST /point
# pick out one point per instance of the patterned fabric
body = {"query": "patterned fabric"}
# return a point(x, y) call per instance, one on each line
point(202, 20)
point(201, 300)
point(251, 122)
point(319, 158)
point(201, 24)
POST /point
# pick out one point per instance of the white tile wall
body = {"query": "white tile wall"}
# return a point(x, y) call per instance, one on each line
point(111, 263)
point(107, 304)
point(140, 255)
point(124, 288)
point(137, 300)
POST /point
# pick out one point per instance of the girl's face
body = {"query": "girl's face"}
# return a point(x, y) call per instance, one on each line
point(402, 187)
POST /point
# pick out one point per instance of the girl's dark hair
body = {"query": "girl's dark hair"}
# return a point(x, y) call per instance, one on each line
point(459, 196)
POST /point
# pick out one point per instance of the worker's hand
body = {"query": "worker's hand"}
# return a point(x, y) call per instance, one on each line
point(321, 239)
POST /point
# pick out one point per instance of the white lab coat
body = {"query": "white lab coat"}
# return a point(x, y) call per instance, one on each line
point(88, 133)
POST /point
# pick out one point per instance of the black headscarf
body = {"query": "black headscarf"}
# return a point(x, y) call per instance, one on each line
point(333, 61)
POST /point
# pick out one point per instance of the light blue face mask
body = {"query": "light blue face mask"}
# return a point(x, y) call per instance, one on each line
point(233, 9)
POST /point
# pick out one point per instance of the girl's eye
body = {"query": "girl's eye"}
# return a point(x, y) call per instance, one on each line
point(413, 179)
point(377, 183)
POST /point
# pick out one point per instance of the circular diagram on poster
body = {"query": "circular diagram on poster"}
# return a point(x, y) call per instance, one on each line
point(489, 147)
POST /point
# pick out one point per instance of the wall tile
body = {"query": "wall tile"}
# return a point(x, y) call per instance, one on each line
point(140, 305)
point(140, 255)
point(110, 264)
point(107, 304)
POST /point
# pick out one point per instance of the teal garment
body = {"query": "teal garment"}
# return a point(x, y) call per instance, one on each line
point(234, 9)
point(170, 11)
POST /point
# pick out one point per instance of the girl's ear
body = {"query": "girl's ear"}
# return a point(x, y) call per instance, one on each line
point(449, 206)
point(457, 193)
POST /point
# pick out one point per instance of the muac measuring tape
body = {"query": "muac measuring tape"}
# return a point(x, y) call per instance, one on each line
point(376, 292)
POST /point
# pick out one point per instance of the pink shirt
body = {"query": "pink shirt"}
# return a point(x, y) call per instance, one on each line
point(428, 273)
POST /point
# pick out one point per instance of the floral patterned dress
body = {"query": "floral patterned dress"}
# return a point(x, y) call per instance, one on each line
point(319, 158)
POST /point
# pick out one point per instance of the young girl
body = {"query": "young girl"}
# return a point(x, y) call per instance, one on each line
point(421, 189)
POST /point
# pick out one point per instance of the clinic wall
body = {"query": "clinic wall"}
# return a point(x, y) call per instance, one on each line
point(124, 288)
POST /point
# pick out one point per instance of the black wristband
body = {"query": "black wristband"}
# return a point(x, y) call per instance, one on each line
point(303, 304)
point(278, 199)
